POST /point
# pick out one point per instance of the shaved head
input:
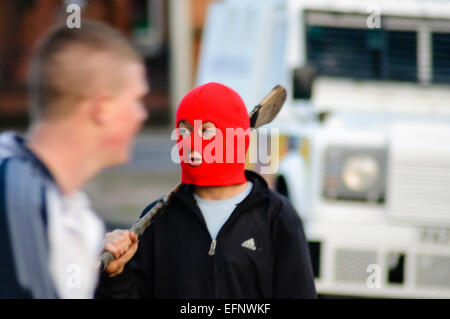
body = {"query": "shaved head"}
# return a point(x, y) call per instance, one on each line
point(74, 64)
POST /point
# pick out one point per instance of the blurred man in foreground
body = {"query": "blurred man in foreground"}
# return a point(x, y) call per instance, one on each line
point(86, 88)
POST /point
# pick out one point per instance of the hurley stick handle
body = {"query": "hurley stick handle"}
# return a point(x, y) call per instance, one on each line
point(140, 225)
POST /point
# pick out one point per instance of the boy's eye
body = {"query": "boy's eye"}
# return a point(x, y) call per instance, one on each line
point(208, 133)
point(184, 132)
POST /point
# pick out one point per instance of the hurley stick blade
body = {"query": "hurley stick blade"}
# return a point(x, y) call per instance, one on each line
point(269, 107)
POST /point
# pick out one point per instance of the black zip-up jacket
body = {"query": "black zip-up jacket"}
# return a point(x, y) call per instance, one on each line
point(178, 259)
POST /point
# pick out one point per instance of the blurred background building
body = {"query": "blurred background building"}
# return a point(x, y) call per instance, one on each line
point(146, 22)
point(167, 33)
point(364, 138)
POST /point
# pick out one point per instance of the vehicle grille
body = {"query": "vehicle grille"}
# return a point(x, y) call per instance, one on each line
point(351, 265)
point(419, 175)
point(433, 271)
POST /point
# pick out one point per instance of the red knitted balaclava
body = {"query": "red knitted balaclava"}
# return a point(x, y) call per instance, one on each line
point(219, 104)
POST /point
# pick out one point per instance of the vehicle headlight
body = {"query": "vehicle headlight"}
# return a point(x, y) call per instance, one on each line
point(353, 173)
point(360, 172)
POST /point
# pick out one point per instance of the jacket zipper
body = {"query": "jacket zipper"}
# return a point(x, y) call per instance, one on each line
point(212, 248)
point(211, 253)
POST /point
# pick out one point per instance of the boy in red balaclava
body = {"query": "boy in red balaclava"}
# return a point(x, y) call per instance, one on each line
point(224, 234)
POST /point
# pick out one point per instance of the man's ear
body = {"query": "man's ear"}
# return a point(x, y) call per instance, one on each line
point(100, 109)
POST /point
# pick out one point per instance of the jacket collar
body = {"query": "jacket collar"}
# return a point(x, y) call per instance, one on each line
point(14, 145)
point(258, 193)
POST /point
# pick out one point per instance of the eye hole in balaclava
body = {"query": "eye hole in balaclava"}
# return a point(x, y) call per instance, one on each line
point(184, 130)
point(207, 131)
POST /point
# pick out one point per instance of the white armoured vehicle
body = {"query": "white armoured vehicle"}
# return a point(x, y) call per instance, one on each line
point(365, 132)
